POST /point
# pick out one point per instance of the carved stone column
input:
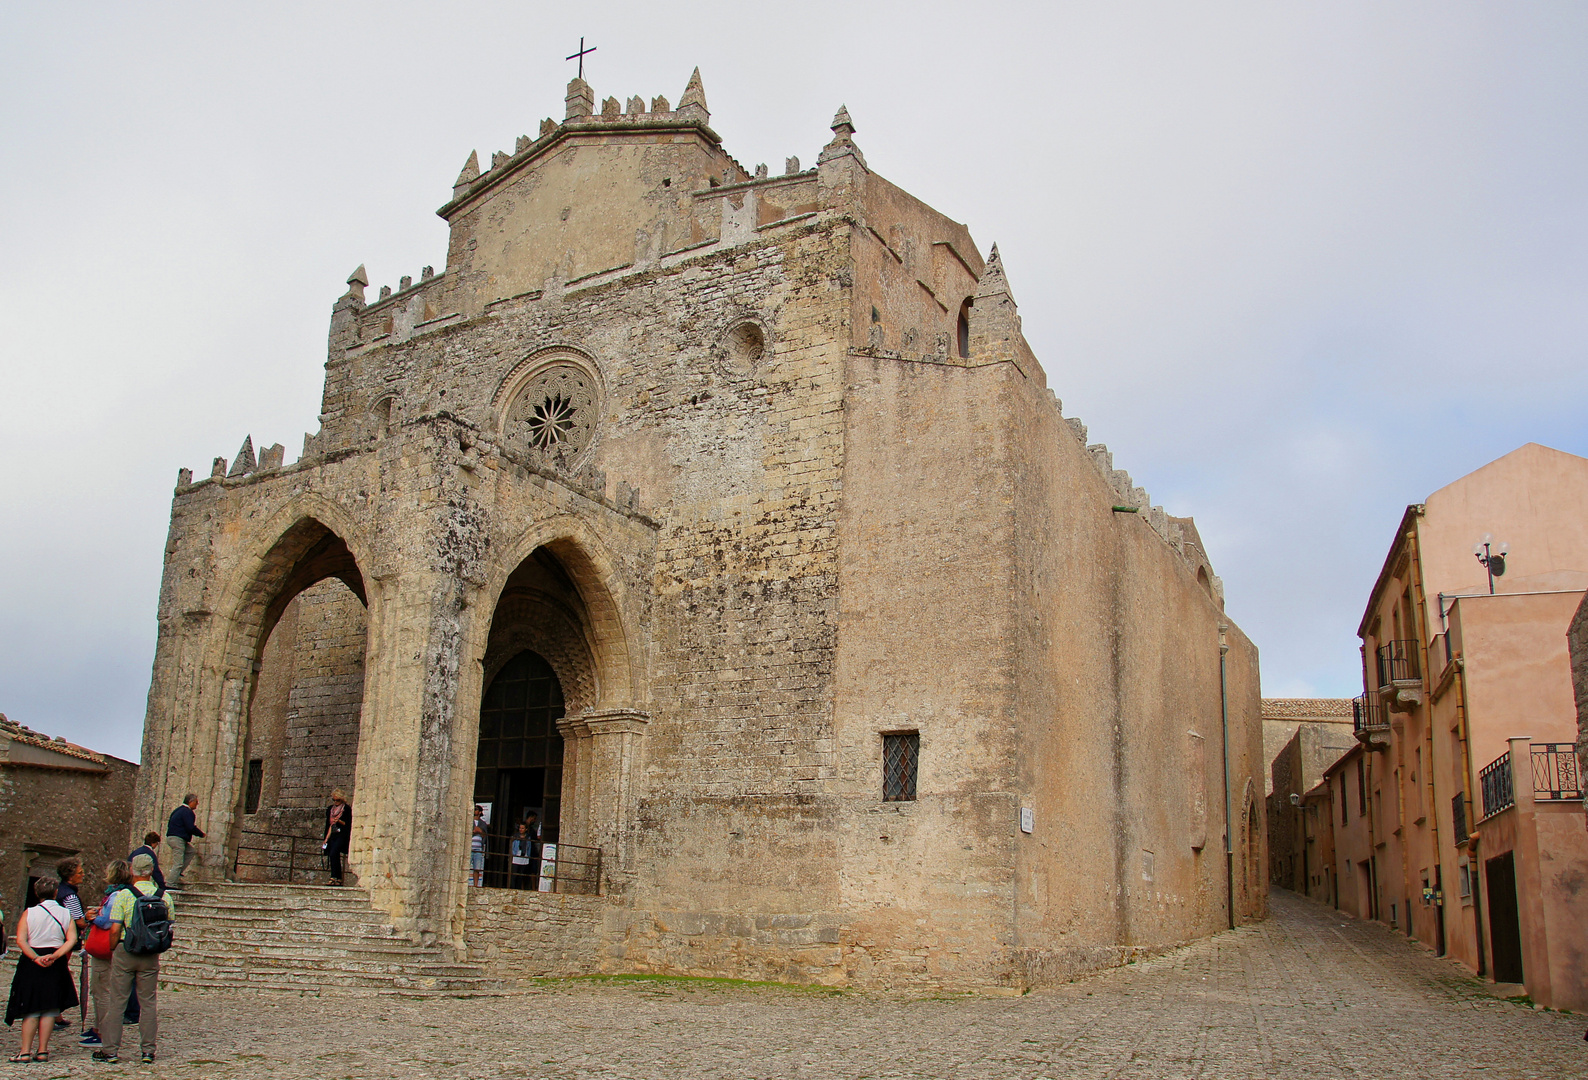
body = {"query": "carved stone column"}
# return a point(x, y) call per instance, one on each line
point(609, 763)
point(572, 827)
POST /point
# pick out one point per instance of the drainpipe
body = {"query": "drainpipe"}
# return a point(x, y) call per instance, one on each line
point(1472, 810)
point(1229, 814)
point(1420, 625)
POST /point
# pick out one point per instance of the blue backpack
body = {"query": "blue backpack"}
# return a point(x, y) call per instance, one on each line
point(102, 920)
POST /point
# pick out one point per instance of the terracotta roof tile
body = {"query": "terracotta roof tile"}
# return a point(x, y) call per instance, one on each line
point(1305, 708)
point(10, 729)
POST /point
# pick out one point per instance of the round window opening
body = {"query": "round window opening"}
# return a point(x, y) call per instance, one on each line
point(555, 412)
point(745, 345)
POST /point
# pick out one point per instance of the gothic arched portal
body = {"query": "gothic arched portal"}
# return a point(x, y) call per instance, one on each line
point(518, 767)
point(301, 630)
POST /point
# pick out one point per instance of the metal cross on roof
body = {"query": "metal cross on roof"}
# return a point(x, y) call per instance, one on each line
point(581, 55)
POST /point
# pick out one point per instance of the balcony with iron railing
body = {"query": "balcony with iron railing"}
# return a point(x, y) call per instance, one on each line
point(1370, 722)
point(1494, 781)
point(1554, 771)
point(1556, 775)
point(1400, 675)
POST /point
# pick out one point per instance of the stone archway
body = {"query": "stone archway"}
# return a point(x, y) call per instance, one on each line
point(556, 603)
point(1251, 851)
point(300, 634)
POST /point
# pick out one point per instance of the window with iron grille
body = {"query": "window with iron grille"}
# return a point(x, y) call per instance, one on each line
point(901, 752)
point(256, 783)
point(1458, 818)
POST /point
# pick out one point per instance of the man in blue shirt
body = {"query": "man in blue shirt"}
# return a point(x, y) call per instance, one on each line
point(179, 834)
point(151, 848)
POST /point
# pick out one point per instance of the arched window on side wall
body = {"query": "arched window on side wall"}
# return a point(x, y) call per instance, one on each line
point(963, 334)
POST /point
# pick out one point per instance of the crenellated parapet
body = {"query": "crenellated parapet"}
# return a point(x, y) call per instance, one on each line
point(582, 118)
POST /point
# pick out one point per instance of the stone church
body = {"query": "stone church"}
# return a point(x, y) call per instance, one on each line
point(725, 519)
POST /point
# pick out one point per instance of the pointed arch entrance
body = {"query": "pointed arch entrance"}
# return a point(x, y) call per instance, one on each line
point(518, 765)
point(303, 708)
point(556, 629)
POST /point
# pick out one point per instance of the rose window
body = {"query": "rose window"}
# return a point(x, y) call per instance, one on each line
point(555, 412)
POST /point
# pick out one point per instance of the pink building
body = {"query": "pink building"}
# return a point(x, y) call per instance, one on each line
point(1466, 797)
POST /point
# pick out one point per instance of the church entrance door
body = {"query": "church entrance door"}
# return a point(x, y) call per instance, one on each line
point(518, 767)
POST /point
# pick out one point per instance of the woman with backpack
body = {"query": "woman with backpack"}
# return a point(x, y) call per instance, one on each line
point(42, 987)
point(118, 876)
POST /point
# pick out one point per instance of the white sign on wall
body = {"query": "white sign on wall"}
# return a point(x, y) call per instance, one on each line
point(548, 866)
point(1028, 819)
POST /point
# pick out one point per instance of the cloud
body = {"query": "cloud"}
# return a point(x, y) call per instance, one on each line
point(1298, 265)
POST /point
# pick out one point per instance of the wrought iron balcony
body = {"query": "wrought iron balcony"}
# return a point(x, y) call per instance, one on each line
point(1400, 676)
point(1556, 776)
point(1369, 721)
point(1499, 793)
point(1397, 662)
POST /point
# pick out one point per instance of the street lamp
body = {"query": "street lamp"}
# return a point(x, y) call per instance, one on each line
point(1493, 561)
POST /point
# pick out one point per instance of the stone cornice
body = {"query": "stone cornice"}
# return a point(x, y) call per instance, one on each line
point(614, 721)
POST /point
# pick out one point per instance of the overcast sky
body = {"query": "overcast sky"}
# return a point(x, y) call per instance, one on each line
point(1297, 264)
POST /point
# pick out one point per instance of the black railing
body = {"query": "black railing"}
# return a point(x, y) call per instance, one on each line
point(1458, 815)
point(1499, 793)
point(1368, 713)
point(1397, 662)
point(281, 857)
point(551, 867)
point(1556, 776)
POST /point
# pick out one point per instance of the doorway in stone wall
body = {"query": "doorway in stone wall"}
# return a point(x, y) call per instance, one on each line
point(304, 710)
point(518, 767)
point(538, 670)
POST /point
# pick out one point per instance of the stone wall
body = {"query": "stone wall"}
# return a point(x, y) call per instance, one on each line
point(304, 721)
point(1577, 643)
point(1283, 716)
point(518, 934)
point(47, 813)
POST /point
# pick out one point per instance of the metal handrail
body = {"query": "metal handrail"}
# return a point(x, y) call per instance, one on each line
point(1556, 776)
point(1397, 662)
point(303, 852)
point(1499, 793)
point(574, 869)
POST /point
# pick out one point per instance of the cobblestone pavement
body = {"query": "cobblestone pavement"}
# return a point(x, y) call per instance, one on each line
point(1307, 994)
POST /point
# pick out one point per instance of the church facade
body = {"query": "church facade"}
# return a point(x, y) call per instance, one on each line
point(725, 520)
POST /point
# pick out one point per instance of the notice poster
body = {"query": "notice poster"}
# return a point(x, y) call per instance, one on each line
point(548, 866)
point(486, 807)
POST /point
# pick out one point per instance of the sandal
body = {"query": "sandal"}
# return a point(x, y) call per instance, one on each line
point(20, 1058)
point(43, 1055)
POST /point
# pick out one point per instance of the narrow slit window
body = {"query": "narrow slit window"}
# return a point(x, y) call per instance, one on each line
point(256, 784)
point(901, 752)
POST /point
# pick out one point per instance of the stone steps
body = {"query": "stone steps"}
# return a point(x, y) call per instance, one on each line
point(281, 925)
point(305, 939)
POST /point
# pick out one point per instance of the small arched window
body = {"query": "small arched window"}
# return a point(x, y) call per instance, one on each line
point(380, 418)
point(963, 334)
